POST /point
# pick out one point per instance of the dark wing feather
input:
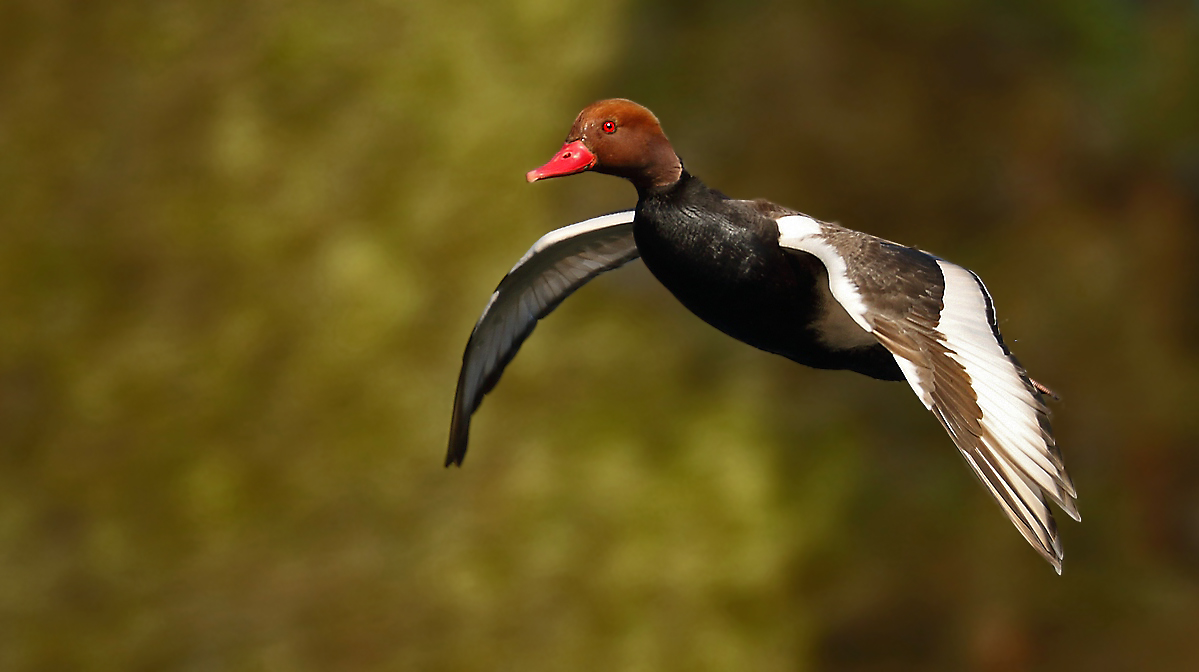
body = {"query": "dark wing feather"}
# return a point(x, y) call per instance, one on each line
point(559, 263)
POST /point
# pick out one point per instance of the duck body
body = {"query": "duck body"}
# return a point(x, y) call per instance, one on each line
point(721, 258)
point(816, 293)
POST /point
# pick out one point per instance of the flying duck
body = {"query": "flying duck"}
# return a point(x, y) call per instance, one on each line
point(813, 292)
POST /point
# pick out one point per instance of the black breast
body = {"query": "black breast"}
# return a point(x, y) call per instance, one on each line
point(721, 259)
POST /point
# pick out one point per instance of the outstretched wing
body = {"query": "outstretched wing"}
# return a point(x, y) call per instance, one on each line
point(937, 320)
point(559, 263)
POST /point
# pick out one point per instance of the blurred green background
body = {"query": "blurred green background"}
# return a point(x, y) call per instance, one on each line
point(242, 245)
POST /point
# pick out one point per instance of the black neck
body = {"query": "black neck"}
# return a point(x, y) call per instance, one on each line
point(686, 180)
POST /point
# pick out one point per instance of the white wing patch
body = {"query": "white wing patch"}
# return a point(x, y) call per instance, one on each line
point(912, 374)
point(953, 359)
point(1009, 415)
point(800, 232)
point(574, 230)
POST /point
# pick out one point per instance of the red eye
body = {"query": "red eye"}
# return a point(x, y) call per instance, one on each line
point(609, 127)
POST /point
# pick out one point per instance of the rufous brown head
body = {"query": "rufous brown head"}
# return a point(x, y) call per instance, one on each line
point(616, 137)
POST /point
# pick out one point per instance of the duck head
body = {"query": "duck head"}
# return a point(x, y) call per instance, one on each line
point(616, 137)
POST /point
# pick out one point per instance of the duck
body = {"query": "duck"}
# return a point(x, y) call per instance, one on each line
point(811, 291)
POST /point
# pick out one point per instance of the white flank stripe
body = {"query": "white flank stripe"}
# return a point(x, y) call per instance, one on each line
point(799, 232)
point(1008, 413)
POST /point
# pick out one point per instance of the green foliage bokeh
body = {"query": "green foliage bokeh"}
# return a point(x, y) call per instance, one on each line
point(242, 245)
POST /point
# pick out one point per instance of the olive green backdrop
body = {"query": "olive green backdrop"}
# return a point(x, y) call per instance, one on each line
point(242, 245)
